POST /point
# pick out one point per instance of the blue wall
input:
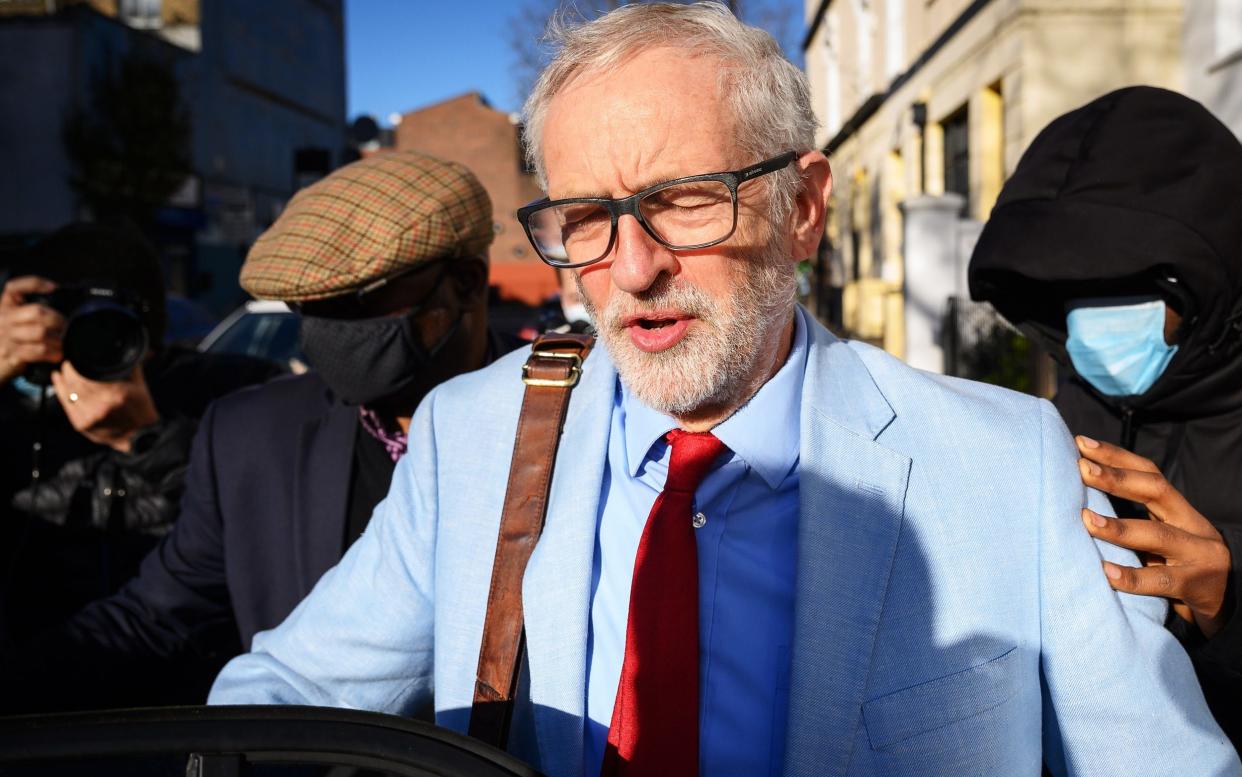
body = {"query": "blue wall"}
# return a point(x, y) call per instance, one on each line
point(269, 79)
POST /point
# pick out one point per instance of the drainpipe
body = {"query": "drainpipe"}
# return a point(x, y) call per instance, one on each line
point(918, 112)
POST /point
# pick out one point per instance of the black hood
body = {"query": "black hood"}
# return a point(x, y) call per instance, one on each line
point(1138, 191)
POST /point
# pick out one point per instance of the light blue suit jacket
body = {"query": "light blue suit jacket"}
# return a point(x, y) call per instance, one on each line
point(951, 615)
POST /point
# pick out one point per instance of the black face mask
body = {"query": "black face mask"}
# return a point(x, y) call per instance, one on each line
point(366, 360)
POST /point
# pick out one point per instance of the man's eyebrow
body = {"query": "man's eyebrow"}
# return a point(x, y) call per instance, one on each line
point(575, 194)
point(646, 183)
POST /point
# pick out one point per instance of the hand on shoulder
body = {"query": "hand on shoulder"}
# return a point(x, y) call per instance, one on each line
point(1185, 559)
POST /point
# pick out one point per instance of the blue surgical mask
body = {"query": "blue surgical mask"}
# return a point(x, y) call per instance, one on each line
point(1119, 349)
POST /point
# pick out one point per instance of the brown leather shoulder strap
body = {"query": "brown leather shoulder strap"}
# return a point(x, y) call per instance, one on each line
point(550, 373)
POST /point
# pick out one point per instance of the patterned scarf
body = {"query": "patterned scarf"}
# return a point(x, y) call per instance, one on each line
point(394, 442)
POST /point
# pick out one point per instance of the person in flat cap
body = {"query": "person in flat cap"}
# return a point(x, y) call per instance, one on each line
point(386, 261)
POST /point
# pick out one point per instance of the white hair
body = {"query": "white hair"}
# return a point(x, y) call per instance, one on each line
point(769, 98)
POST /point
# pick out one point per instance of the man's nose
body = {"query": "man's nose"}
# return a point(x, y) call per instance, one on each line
point(638, 259)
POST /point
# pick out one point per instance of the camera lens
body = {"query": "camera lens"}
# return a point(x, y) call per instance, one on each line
point(104, 341)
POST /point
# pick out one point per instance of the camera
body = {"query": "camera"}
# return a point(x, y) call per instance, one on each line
point(105, 337)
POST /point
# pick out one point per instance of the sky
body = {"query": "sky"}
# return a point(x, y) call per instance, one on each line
point(407, 54)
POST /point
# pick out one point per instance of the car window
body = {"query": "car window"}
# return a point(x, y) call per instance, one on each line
point(238, 337)
point(282, 338)
point(271, 336)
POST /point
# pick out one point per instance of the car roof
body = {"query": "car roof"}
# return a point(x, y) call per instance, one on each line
point(266, 306)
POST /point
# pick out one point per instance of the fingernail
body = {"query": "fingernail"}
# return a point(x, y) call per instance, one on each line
point(1097, 520)
point(1112, 572)
point(1094, 468)
point(1087, 442)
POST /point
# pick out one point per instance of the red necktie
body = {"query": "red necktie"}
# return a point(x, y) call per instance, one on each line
point(655, 720)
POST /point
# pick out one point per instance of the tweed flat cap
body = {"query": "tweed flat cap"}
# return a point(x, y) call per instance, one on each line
point(369, 220)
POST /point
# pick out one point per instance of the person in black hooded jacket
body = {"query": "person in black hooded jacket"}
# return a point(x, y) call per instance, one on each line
point(1117, 244)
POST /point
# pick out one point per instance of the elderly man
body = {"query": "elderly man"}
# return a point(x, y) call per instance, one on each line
point(386, 260)
point(766, 551)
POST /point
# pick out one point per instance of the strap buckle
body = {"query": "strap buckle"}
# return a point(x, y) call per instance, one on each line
point(569, 381)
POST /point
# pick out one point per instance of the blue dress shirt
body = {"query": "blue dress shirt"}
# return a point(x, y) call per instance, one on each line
point(747, 552)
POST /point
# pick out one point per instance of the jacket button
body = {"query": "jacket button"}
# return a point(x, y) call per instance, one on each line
point(698, 521)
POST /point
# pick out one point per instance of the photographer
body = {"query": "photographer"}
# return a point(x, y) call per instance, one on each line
point(113, 443)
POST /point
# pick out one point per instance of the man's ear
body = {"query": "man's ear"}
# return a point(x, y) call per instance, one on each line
point(470, 279)
point(811, 206)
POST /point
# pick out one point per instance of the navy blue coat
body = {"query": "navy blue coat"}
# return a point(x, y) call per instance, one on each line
point(262, 519)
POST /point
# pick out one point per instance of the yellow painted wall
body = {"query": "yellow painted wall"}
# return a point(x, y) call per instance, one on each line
point(1017, 65)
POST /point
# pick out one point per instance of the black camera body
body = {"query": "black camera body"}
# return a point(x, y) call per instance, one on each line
point(105, 337)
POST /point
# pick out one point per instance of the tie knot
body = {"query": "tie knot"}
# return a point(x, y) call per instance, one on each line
point(693, 454)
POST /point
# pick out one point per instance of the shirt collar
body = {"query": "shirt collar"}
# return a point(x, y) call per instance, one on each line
point(764, 432)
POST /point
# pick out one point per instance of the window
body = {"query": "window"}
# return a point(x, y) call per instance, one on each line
point(855, 253)
point(990, 137)
point(832, 77)
point(864, 41)
point(956, 129)
point(894, 191)
point(875, 224)
point(894, 38)
point(144, 14)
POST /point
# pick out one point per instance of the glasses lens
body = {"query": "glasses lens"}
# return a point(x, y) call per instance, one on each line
point(689, 214)
point(571, 233)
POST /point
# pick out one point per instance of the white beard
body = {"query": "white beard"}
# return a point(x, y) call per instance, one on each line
point(715, 363)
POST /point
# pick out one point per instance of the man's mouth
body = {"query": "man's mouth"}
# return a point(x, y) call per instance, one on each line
point(656, 332)
point(655, 323)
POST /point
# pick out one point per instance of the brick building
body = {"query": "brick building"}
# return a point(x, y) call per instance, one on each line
point(466, 129)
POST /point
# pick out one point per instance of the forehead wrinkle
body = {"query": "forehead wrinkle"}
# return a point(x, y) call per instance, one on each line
point(633, 175)
point(630, 131)
point(614, 174)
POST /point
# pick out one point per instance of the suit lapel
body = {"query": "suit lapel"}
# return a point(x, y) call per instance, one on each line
point(852, 492)
point(557, 585)
point(321, 491)
point(851, 503)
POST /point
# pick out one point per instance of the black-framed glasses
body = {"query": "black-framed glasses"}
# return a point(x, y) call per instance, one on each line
point(683, 214)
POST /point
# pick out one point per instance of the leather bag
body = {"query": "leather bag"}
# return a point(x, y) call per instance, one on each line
point(550, 373)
